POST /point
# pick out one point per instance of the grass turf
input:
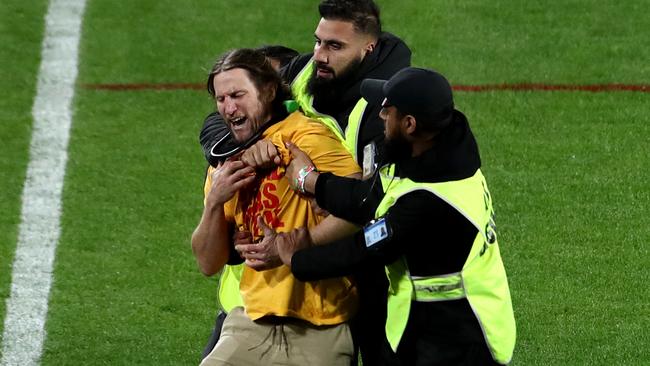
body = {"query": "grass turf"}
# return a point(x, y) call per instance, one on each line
point(21, 28)
point(565, 169)
point(570, 197)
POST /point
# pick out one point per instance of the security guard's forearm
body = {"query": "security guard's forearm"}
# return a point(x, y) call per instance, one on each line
point(340, 258)
point(347, 198)
point(214, 129)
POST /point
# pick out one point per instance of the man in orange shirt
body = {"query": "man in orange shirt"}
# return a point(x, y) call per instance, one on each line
point(283, 320)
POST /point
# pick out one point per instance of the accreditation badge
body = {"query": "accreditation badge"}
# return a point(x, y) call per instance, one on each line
point(369, 160)
point(375, 232)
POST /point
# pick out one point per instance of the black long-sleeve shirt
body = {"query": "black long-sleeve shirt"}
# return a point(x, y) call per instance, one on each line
point(432, 235)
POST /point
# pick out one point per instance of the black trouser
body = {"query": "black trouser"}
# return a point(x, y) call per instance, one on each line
point(443, 333)
point(216, 332)
point(368, 326)
point(420, 353)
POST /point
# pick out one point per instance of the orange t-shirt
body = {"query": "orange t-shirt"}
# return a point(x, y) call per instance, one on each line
point(276, 291)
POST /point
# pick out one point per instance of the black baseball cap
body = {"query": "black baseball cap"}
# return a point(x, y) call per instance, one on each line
point(422, 93)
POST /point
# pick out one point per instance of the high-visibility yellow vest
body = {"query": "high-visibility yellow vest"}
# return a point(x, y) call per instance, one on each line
point(229, 295)
point(482, 280)
point(353, 128)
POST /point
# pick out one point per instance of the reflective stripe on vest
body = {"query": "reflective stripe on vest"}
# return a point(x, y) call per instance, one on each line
point(305, 100)
point(482, 279)
point(438, 288)
point(229, 295)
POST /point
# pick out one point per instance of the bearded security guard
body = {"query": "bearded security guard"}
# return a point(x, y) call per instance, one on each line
point(428, 216)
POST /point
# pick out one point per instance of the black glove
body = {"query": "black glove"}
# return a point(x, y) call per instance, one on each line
point(215, 139)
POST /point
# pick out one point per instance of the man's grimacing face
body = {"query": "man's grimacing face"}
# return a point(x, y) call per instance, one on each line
point(240, 103)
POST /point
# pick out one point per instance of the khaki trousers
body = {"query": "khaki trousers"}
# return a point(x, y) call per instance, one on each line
point(280, 341)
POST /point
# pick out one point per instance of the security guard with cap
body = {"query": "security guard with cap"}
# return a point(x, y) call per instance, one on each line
point(428, 216)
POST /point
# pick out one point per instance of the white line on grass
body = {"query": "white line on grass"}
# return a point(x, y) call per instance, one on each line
point(24, 328)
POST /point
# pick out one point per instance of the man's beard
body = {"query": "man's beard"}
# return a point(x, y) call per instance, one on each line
point(258, 125)
point(331, 89)
point(397, 149)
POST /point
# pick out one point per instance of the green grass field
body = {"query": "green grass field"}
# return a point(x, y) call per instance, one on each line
point(21, 28)
point(566, 169)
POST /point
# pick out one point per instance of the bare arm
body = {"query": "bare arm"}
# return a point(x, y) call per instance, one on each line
point(300, 161)
point(331, 229)
point(210, 241)
point(211, 238)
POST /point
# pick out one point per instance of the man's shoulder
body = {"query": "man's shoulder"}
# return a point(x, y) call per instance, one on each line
point(300, 125)
point(315, 139)
point(392, 55)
